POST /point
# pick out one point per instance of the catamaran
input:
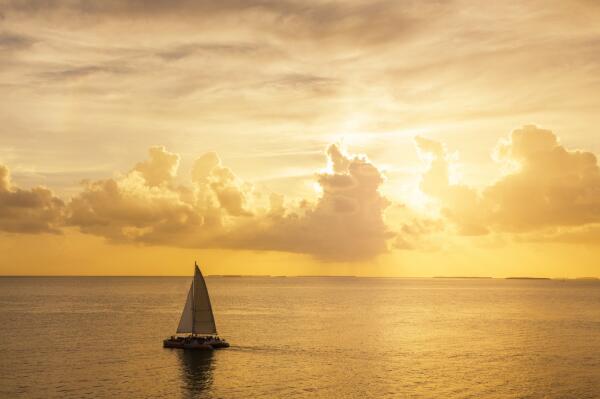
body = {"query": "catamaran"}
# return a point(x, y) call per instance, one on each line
point(197, 320)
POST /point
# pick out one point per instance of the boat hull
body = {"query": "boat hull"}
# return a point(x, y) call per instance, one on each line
point(194, 343)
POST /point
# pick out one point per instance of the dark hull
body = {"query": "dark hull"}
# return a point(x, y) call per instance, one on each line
point(195, 343)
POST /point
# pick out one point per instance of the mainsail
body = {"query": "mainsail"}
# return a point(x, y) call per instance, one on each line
point(197, 316)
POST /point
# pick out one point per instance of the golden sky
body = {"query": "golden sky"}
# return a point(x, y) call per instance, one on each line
point(382, 138)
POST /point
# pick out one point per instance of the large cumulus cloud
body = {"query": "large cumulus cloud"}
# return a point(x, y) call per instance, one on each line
point(144, 205)
point(549, 187)
point(345, 224)
point(219, 210)
point(28, 211)
point(552, 186)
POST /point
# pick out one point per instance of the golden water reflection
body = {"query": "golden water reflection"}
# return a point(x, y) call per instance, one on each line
point(196, 371)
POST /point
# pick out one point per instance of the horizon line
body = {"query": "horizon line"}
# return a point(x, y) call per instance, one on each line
point(306, 275)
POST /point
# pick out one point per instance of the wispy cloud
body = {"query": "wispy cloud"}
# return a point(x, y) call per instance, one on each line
point(83, 71)
point(10, 41)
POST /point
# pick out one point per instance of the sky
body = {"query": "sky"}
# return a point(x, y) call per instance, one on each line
point(382, 138)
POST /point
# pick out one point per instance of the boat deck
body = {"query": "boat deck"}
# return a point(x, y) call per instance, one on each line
point(201, 343)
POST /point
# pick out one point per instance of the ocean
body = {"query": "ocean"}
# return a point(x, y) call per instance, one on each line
point(302, 337)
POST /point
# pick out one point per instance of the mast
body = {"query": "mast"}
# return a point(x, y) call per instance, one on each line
point(194, 298)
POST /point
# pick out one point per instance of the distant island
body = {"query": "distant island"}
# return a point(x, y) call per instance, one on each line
point(238, 275)
point(462, 277)
point(528, 278)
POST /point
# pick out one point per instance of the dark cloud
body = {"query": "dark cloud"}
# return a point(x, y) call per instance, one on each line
point(362, 23)
point(129, 8)
point(10, 41)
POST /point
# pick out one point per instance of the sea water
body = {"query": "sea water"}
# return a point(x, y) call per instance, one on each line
point(302, 337)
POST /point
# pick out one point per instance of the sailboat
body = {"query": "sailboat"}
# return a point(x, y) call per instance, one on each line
point(197, 321)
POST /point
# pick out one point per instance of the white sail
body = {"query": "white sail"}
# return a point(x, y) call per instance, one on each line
point(204, 321)
point(187, 316)
point(197, 316)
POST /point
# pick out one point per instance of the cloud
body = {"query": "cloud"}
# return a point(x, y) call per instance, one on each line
point(365, 23)
point(345, 224)
point(304, 81)
point(220, 211)
point(549, 186)
point(552, 186)
point(160, 168)
point(210, 177)
point(83, 72)
point(142, 206)
point(588, 234)
point(459, 203)
point(550, 194)
point(10, 41)
point(28, 211)
point(415, 231)
point(182, 51)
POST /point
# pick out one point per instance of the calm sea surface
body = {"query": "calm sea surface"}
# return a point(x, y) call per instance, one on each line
point(311, 337)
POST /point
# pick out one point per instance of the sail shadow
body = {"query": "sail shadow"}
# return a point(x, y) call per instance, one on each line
point(196, 370)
